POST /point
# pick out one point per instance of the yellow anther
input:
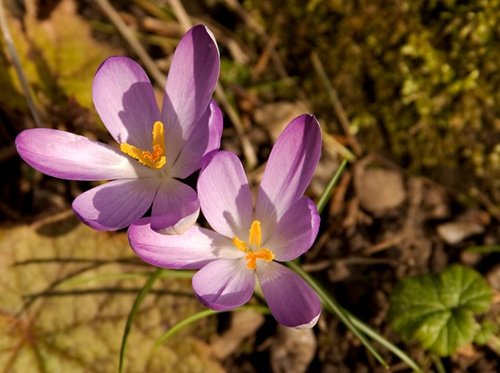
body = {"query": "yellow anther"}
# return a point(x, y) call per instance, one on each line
point(240, 245)
point(255, 234)
point(252, 256)
point(156, 158)
point(255, 251)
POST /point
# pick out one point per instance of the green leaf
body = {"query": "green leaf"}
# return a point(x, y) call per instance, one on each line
point(487, 331)
point(438, 310)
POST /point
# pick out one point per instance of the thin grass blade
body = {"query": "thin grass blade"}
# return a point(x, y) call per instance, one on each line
point(133, 314)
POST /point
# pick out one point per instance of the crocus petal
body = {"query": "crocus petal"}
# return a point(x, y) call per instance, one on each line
point(291, 300)
point(295, 232)
point(124, 98)
point(204, 139)
point(190, 84)
point(191, 250)
point(290, 167)
point(69, 156)
point(116, 204)
point(224, 284)
point(175, 208)
point(225, 197)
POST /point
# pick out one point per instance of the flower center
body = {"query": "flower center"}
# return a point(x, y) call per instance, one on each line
point(253, 249)
point(155, 159)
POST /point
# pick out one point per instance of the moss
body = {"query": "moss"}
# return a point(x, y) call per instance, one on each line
point(418, 78)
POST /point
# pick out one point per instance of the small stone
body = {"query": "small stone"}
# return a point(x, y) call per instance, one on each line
point(455, 232)
point(293, 350)
point(380, 190)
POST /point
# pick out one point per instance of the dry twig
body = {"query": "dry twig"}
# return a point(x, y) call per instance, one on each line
point(17, 65)
point(132, 40)
point(337, 105)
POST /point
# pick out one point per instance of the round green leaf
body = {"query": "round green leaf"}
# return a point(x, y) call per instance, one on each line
point(438, 310)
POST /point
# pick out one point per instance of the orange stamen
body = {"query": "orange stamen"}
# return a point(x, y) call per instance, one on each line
point(255, 251)
point(155, 159)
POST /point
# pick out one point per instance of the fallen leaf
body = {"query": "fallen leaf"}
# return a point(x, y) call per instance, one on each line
point(59, 54)
point(49, 326)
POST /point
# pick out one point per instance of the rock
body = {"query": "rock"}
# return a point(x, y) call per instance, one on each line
point(274, 117)
point(293, 350)
point(243, 325)
point(455, 232)
point(380, 190)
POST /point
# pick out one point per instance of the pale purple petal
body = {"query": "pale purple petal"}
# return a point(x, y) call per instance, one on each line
point(124, 98)
point(190, 84)
point(225, 197)
point(116, 204)
point(203, 139)
point(191, 250)
point(175, 208)
point(69, 156)
point(224, 284)
point(290, 167)
point(295, 232)
point(291, 300)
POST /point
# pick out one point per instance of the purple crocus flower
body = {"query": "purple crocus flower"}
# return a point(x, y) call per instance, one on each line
point(247, 243)
point(156, 147)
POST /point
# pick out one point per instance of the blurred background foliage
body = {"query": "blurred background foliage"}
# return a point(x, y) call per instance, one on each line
point(419, 79)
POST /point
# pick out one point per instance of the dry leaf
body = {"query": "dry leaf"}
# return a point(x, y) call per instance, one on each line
point(51, 327)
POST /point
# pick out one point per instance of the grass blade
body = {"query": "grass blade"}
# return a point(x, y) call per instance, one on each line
point(332, 306)
point(133, 313)
point(329, 188)
point(200, 315)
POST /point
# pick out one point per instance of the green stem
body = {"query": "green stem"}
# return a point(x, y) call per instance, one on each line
point(353, 323)
point(438, 363)
point(384, 342)
point(329, 188)
point(133, 313)
point(333, 307)
point(200, 315)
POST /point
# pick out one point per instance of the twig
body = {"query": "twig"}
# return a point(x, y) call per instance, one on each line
point(248, 151)
point(335, 101)
point(132, 40)
point(260, 30)
point(235, 6)
point(181, 14)
point(17, 65)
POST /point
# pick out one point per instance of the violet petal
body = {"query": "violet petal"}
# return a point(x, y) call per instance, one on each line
point(175, 207)
point(116, 204)
point(73, 157)
point(203, 139)
point(289, 170)
point(296, 231)
point(124, 98)
point(224, 284)
point(225, 197)
point(190, 85)
point(291, 300)
point(191, 250)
